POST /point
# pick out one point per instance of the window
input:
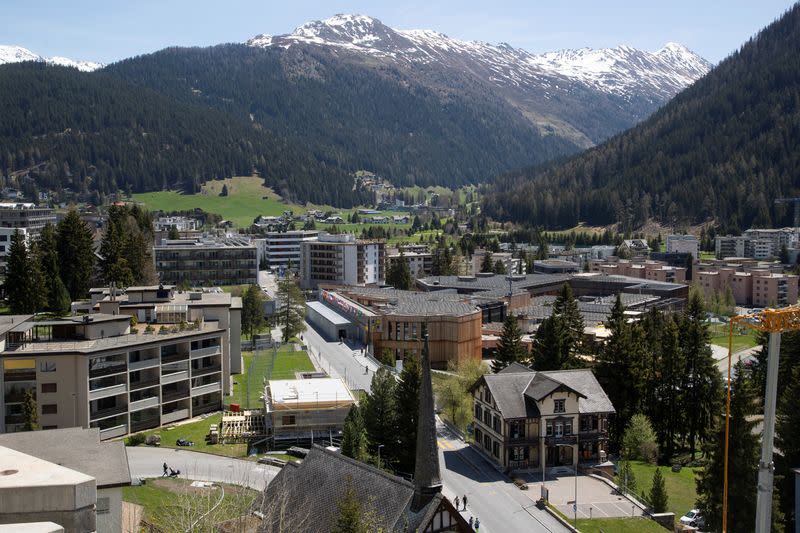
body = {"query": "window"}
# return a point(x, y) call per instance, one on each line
point(559, 429)
point(568, 427)
point(47, 366)
point(496, 449)
point(497, 426)
point(487, 418)
point(560, 406)
point(288, 420)
point(478, 411)
point(103, 506)
point(487, 442)
point(49, 387)
point(549, 429)
point(517, 429)
point(487, 396)
point(3, 238)
point(519, 453)
point(478, 435)
point(49, 409)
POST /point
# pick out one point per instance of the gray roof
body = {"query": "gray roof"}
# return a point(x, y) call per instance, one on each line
point(327, 313)
point(78, 449)
point(516, 388)
point(400, 302)
point(487, 283)
point(315, 486)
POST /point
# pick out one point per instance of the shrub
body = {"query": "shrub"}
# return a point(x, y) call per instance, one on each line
point(149, 329)
point(639, 441)
point(134, 321)
point(135, 440)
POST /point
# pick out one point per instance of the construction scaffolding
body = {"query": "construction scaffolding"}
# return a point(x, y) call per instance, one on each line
point(774, 322)
point(244, 426)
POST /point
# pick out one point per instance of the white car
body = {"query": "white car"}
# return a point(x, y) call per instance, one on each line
point(693, 518)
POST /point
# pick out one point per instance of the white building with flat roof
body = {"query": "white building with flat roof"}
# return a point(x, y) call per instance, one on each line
point(683, 244)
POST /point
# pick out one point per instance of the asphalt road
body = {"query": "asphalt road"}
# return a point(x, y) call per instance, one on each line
point(146, 462)
point(491, 497)
point(340, 360)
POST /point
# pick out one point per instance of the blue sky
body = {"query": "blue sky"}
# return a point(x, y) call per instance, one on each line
point(109, 30)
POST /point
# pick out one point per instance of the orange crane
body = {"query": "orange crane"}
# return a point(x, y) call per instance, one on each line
point(774, 322)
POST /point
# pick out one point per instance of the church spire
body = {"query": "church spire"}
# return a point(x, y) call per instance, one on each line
point(427, 478)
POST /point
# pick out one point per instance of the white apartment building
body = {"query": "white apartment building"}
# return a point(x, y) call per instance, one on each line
point(341, 260)
point(683, 244)
point(282, 248)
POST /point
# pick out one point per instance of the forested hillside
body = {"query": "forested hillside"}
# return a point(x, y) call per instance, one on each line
point(722, 149)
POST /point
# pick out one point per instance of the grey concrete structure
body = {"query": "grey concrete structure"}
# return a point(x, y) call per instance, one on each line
point(207, 260)
point(82, 451)
point(35, 490)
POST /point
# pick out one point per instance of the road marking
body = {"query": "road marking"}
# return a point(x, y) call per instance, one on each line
point(444, 444)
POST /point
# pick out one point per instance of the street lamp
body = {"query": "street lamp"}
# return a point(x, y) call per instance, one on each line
point(379, 454)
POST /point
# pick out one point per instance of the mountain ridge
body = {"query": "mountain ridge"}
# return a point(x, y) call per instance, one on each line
point(16, 54)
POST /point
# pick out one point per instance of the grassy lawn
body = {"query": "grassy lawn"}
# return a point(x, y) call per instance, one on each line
point(680, 486)
point(618, 525)
point(173, 505)
point(284, 366)
point(741, 340)
point(196, 432)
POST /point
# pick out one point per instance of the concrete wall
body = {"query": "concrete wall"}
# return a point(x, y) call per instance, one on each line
point(111, 521)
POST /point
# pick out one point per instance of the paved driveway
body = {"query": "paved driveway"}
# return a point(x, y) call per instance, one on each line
point(595, 498)
point(340, 360)
point(146, 462)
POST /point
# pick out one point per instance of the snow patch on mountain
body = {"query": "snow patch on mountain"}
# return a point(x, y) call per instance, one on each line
point(16, 54)
point(622, 70)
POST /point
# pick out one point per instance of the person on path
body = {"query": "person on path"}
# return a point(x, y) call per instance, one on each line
point(457, 501)
point(477, 524)
point(465, 501)
point(470, 521)
point(165, 468)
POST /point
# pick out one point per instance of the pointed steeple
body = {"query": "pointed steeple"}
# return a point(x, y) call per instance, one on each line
point(427, 477)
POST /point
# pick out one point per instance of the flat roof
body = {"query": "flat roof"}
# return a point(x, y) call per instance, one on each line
point(31, 471)
point(328, 314)
point(78, 449)
point(290, 391)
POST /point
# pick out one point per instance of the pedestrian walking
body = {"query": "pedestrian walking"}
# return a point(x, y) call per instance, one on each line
point(457, 501)
point(464, 499)
point(477, 524)
point(165, 469)
point(470, 521)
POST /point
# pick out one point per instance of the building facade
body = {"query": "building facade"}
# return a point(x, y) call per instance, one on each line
point(688, 244)
point(26, 215)
point(419, 263)
point(282, 248)
point(341, 260)
point(526, 420)
point(749, 286)
point(207, 261)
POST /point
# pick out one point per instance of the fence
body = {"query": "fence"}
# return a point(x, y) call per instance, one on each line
point(259, 371)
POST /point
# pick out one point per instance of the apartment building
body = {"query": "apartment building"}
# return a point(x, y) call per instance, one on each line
point(26, 215)
point(341, 260)
point(207, 261)
point(683, 244)
point(419, 263)
point(729, 246)
point(640, 268)
point(526, 420)
point(98, 371)
point(180, 223)
point(750, 286)
point(282, 248)
point(756, 243)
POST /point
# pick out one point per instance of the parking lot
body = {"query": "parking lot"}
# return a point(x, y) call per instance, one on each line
point(595, 498)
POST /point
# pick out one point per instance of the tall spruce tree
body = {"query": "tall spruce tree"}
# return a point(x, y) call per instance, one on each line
point(509, 348)
point(407, 413)
point(668, 413)
point(252, 310)
point(399, 275)
point(291, 308)
point(23, 284)
point(127, 247)
point(354, 435)
point(58, 300)
point(742, 467)
point(659, 498)
point(379, 413)
point(549, 345)
point(75, 254)
point(787, 440)
point(703, 383)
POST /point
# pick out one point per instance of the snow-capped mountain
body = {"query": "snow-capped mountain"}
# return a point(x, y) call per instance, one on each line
point(622, 71)
point(16, 54)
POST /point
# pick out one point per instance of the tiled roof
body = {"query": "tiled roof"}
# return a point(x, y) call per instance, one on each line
point(584, 381)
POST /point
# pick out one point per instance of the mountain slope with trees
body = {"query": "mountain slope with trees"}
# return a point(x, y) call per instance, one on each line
point(722, 149)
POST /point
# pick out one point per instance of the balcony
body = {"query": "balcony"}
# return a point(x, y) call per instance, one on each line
point(204, 352)
point(147, 423)
point(179, 414)
point(111, 411)
point(175, 377)
point(172, 395)
point(19, 376)
point(207, 408)
point(116, 431)
point(144, 383)
point(144, 403)
point(108, 391)
point(144, 363)
point(557, 441)
point(205, 389)
point(174, 358)
point(197, 372)
point(521, 441)
point(107, 370)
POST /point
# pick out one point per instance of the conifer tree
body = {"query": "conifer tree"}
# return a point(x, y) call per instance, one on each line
point(565, 307)
point(379, 413)
point(742, 467)
point(787, 440)
point(352, 515)
point(354, 435)
point(658, 493)
point(58, 300)
point(499, 267)
point(509, 348)
point(407, 412)
point(549, 345)
point(667, 413)
point(487, 265)
point(21, 281)
point(252, 310)
point(30, 412)
point(291, 308)
point(75, 254)
point(399, 275)
point(703, 383)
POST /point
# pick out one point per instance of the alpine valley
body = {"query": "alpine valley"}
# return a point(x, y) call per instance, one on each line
point(307, 109)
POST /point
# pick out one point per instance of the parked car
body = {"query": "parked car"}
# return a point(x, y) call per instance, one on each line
point(693, 518)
